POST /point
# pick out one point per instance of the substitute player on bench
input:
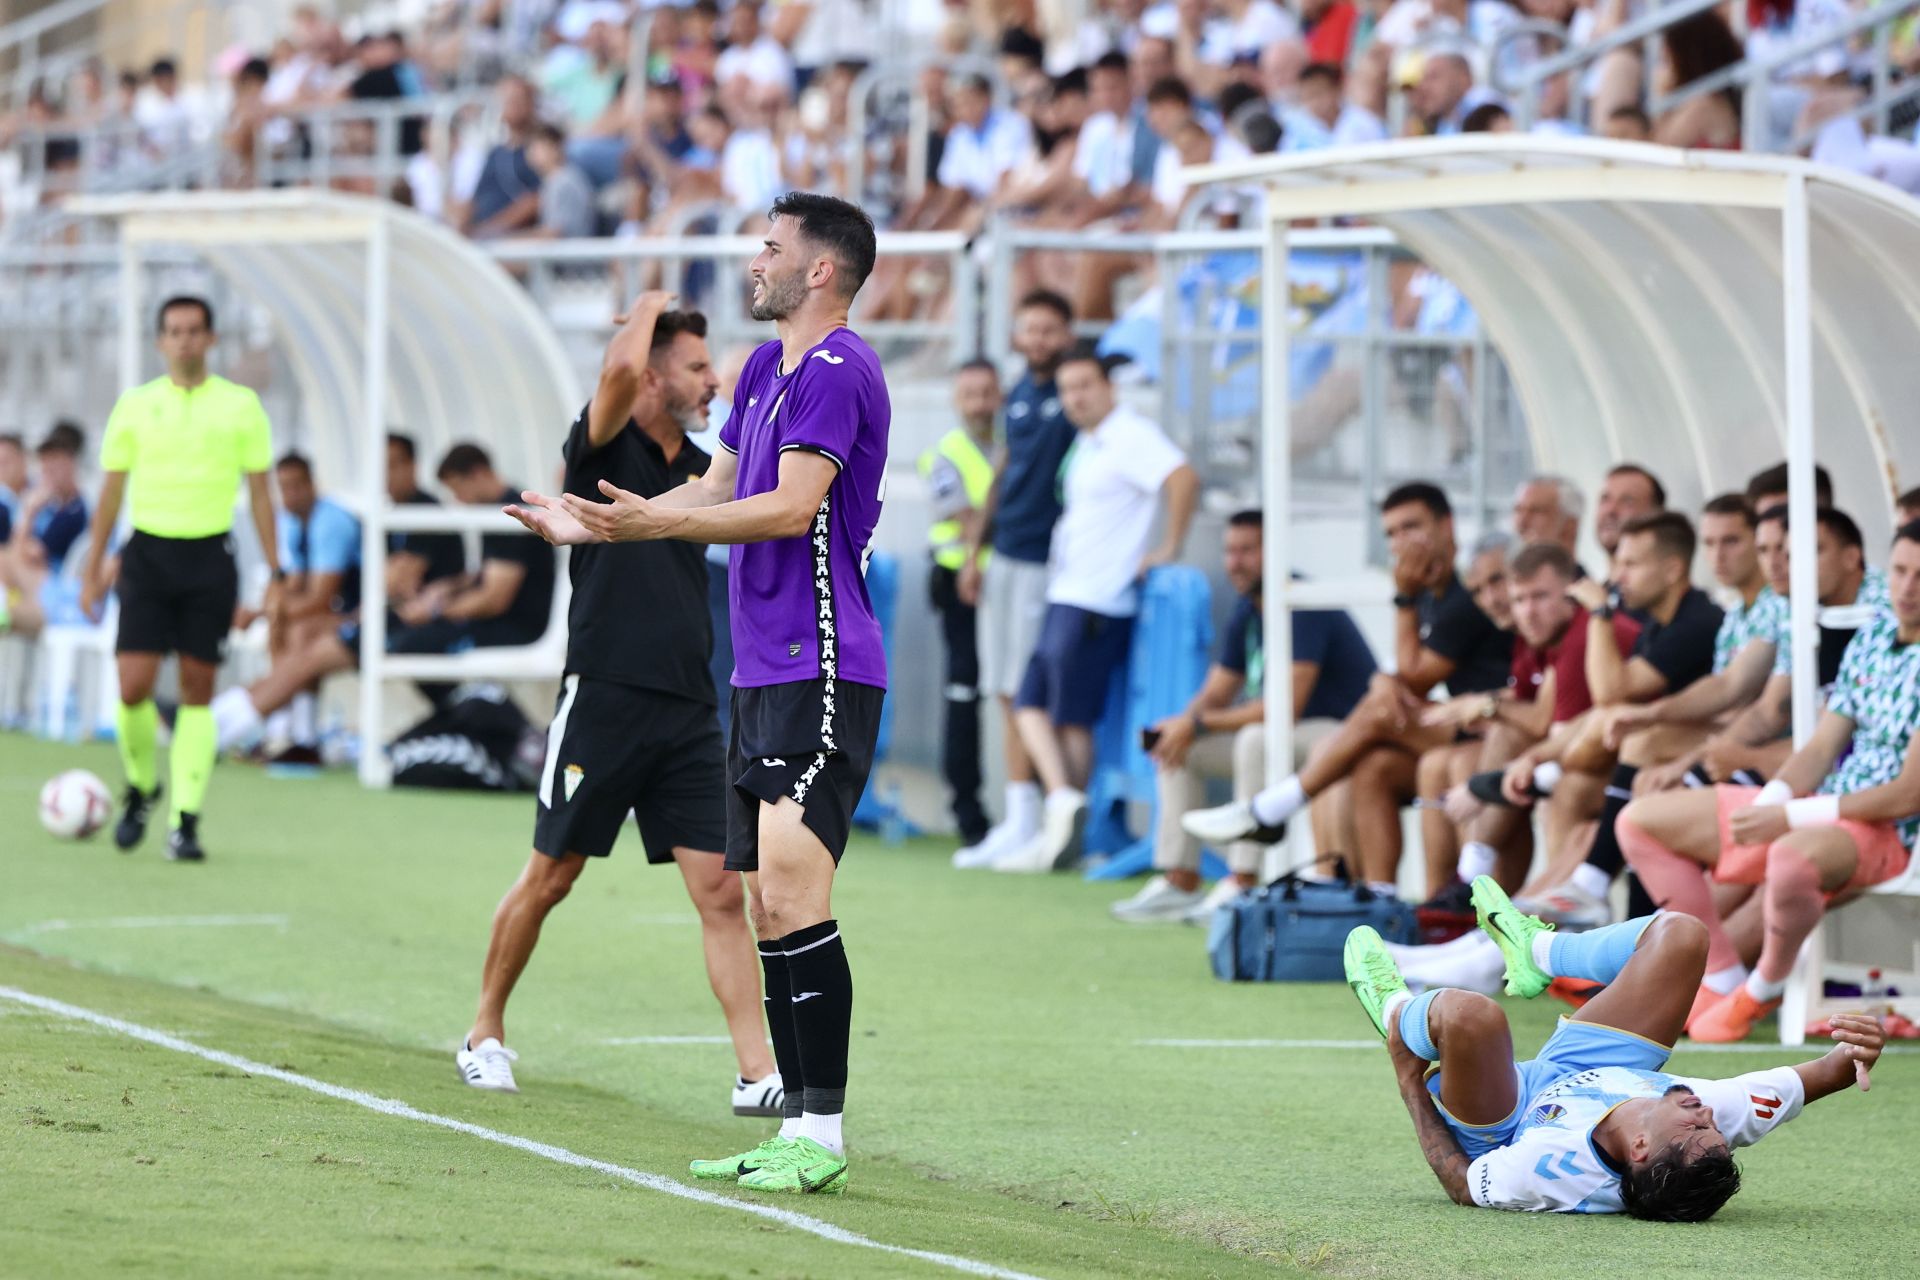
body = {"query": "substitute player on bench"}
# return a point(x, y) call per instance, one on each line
point(797, 490)
point(1593, 1124)
point(184, 441)
point(635, 728)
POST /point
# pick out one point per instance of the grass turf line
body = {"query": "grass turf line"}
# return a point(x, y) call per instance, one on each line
point(995, 1069)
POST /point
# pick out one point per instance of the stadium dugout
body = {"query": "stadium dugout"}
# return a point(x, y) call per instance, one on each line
point(388, 321)
point(1652, 305)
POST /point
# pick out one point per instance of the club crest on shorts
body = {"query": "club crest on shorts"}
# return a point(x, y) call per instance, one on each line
point(571, 779)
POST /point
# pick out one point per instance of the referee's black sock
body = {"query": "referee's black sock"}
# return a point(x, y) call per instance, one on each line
point(822, 1020)
point(1605, 853)
point(779, 1002)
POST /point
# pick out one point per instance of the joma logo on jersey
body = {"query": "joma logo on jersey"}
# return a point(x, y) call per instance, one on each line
point(828, 356)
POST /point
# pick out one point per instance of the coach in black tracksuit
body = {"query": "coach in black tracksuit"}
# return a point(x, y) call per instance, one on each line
point(635, 729)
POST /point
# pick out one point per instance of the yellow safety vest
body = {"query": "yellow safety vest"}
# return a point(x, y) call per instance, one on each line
point(946, 536)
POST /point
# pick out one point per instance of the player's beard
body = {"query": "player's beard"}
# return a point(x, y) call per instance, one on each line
point(779, 297)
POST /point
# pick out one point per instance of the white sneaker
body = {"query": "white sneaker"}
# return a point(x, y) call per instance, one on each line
point(1568, 906)
point(1230, 822)
point(488, 1065)
point(1158, 902)
point(1058, 846)
point(1224, 890)
point(762, 1097)
point(997, 843)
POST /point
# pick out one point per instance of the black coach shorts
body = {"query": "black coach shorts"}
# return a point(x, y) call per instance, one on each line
point(614, 748)
point(177, 596)
point(811, 741)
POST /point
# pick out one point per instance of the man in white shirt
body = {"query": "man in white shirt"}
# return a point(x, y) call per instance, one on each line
point(984, 144)
point(753, 59)
point(1114, 478)
point(1324, 117)
point(1243, 28)
point(1170, 114)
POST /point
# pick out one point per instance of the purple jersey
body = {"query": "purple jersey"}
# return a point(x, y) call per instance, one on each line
point(799, 606)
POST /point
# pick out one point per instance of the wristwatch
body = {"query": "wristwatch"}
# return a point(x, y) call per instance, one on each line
point(1490, 707)
point(1404, 602)
point(1199, 725)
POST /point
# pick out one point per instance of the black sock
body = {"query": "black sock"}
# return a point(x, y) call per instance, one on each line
point(1639, 901)
point(822, 1013)
point(1605, 853)
point(779, 1001)
point(1698, 777)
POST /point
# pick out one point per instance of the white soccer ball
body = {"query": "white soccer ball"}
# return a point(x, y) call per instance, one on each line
point(75, 804)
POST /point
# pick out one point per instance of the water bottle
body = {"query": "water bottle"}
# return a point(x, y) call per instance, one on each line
point(893, 820)
point(1873, 993)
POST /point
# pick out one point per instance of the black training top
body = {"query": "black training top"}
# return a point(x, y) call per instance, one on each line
point(639, 612)
point(1682, 649)
point(1453, 626)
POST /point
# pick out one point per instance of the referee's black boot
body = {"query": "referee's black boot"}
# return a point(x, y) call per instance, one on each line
point(136, 810)
point(183, 842)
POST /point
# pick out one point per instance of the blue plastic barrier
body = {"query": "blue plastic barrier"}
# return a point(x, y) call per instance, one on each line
point(1172, 639)
point(879, 808)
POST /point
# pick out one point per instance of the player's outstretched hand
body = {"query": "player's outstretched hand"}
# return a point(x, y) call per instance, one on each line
point(1860, 1038)
point(546, 517)
point(624, 517)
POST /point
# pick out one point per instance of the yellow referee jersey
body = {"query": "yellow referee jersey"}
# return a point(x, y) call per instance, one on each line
point(184, 451)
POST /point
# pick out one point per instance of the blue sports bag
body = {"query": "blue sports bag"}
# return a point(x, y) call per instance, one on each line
point(1294, 929)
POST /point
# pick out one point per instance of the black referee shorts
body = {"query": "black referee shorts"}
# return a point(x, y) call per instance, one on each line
point(177, 596)
point(613, 749)
point(811, 741)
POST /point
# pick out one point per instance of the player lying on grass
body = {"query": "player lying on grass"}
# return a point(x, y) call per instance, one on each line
point(1593, 1124)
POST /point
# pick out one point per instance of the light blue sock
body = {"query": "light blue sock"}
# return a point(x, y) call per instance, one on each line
point(1413, 1025)
point(1598, 955)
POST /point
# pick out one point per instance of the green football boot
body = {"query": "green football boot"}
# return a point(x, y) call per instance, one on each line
point(734, 1168)
point(804, 1167)
point(1372, 974)
point(1515, 931)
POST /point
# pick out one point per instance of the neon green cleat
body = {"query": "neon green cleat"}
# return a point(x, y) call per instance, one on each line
point(1372, 974)
point(734, 1168)
point(804, 1167)
point(1515, 931)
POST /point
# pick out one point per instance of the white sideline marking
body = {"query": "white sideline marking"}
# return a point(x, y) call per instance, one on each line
point(559, 1155)
point(668, 1040)
point(157, 922)
point(1684, 1048)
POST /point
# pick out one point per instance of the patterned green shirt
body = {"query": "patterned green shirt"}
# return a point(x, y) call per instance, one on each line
point(1879, 690)
point(1872, 594)
point(1764, 619)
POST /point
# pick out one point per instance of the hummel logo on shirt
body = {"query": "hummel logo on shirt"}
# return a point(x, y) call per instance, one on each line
point(828, 356)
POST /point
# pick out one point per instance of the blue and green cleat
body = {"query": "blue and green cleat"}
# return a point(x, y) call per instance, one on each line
point(1514, 930)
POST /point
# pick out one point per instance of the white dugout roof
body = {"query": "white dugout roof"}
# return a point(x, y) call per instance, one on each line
point(386, 319)
point(1700, 313)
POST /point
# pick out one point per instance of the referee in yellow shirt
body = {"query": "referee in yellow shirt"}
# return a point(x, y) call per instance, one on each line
point(185, 440)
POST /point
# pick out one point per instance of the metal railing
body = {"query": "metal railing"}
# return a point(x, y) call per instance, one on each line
point(363, 142)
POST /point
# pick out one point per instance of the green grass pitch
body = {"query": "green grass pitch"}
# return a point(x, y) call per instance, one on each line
point(1004, 1105)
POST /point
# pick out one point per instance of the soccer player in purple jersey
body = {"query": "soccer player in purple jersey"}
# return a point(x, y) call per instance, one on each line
point(796, 490)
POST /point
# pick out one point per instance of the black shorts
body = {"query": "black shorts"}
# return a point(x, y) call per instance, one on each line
point(177, 596)
point(810, 741)
point(613, 749)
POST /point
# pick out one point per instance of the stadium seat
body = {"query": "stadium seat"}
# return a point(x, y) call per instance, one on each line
point(1172, 637)
point(1878, 930)
point(78, 681)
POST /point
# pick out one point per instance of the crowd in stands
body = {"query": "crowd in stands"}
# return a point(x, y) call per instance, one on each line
point(1032, 115)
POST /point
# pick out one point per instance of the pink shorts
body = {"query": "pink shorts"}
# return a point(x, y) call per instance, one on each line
point(1882, 856)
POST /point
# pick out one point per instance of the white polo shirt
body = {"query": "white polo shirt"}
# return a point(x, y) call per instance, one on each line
point(975, 160)
point(1112, 485)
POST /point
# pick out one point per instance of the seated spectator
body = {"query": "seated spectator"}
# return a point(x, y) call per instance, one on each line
point(1170, 114)
point(506, 197)
point(415, 561)
point(567, 209)
point(13, 481)
point(1854, 827)
point(1627, 124)
point(1488, 117)
point(1547, 508)
point(1442, 636)
point(1546, 691)
point(1440, 100)
point(1324, 116)
point(166, 126)
point(1697, 47)
point(50, 521)
point(984, 145)
point(753, 61)
point(1222, 731)
point(586, 85)
point(246, 121)
point(508, 602)
point(749, 161)
point(1768, 489)
point(1679, 625)
point(319, 544)
point(1121, 470)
